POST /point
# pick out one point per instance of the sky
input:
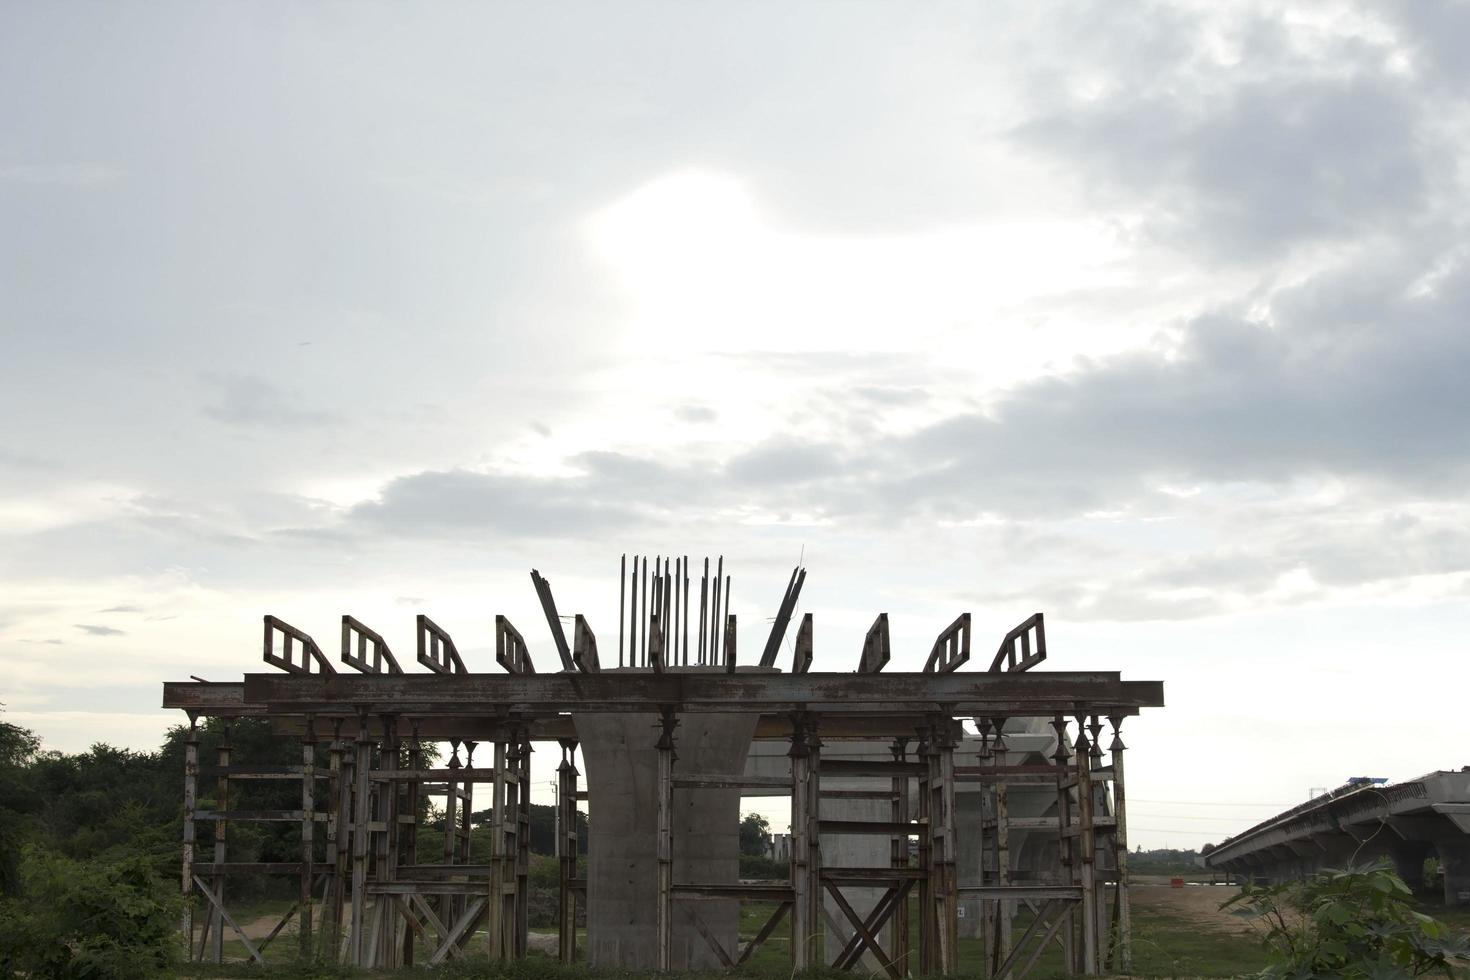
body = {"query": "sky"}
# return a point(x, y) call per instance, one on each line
point(1149, 317)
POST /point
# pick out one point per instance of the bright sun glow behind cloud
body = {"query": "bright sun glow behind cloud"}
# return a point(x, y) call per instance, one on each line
point(709, 269)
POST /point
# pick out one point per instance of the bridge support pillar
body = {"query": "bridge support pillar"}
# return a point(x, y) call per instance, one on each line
point(1408, 860)
point(1454, 859)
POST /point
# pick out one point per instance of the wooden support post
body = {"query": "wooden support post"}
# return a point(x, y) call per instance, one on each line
point(191, 803)
point(805, 912)
point(1124, 960)
point(340, 833)
point(466, 808)
point(1099, 837)
point(1004, 911)
point(1087, 850)
point(385, 910)
point(523, 846)
point(814, 895)
point(221, 836)
point(357, 948)
point(1064, 839)
point(566, 850)
point(409, 838)
point(495, 926)
point(942, 828)
point(898, 858)
point(926, 846)
point(450, 904)
point(308, 831)
point(665, 845)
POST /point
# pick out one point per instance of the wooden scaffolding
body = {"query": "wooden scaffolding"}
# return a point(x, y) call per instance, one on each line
point(385, 892)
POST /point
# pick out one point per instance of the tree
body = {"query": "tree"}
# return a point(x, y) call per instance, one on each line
point(1353, 923)
point(18, 799)
point(88, 919)
point(755, 834)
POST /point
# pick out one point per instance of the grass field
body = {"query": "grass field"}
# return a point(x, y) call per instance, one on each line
point(1178, 932)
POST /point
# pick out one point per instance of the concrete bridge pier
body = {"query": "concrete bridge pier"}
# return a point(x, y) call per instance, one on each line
point(1408, 858)
point(622, 854)
point(1454, 859)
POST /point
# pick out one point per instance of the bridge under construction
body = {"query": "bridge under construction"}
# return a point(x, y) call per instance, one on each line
point(669, 739)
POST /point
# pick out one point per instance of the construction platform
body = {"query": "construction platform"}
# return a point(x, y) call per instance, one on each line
point(667, 739)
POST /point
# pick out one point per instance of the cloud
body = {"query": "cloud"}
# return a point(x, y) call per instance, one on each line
point(83, 175)
point(122, 609)
point(1353, 374)
point(697, 414)
point(28, 461)
point(99, 630)
point(783, 462)
point(1242, 140)
point(250, 401)
point(455, 502)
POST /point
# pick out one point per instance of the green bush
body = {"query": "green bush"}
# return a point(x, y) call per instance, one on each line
point(1353, 923)
point(87, 919)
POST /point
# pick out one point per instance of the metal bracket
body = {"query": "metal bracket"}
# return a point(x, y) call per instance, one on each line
point(876, 650)
point(510, 648)
point(1016, 654)
point(436, 649)
point(584, 646)
point(287, 659)
point(801, 661)
point(381, 655)
point(951, 648)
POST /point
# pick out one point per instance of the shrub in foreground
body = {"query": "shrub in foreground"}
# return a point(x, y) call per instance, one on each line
point(87, 919)
point(1351, 923)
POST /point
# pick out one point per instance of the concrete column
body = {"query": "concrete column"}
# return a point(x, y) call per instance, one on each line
point(1408, 860)
point(1454, 859)
point(622, 881)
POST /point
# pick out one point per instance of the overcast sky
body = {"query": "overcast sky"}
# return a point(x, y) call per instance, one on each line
point(1152, 318)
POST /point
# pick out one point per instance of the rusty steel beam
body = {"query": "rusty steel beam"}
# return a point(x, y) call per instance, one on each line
point(548, 606)
point(1003, 694)
point(783, 617)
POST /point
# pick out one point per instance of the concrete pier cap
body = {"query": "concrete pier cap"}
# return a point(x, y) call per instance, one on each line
point(621, 760)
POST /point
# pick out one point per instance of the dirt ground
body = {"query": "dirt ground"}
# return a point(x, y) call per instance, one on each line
point(1195, 903)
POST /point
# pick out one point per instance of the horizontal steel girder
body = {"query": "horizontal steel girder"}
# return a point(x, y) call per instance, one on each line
point(531, 695)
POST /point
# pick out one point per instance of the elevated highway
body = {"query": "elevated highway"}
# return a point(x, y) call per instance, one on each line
point(1406, 822)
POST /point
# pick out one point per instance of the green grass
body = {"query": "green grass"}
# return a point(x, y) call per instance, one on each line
point(1165, 944)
